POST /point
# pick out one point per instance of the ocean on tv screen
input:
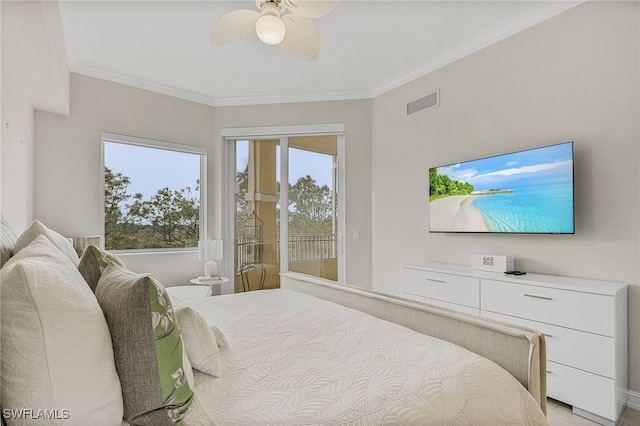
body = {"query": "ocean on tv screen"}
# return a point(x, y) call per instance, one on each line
point(546, 208)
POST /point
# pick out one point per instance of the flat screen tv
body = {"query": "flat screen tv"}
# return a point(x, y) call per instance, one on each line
point(525, 192)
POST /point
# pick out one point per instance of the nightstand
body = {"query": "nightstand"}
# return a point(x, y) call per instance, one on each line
point(211, 284)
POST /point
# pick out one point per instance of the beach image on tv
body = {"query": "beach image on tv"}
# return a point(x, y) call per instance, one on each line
point(522, 192)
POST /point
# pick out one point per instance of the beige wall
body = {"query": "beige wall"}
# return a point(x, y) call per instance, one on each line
point(574, 77)
point(35, 75)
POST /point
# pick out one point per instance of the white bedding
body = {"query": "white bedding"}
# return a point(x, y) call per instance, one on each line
point(297, 360)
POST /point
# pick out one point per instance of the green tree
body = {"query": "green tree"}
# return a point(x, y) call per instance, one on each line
point(433, 178)
point(116, 222)
point(189, 205)
point(170, 218)
point(171, 215)
point(311, 207)
point(242, 187)
point(443, 186)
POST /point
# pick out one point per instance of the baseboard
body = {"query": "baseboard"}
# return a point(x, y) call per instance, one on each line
point(633, 400)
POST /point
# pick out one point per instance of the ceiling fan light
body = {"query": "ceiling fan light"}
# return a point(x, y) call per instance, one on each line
point(270, 29)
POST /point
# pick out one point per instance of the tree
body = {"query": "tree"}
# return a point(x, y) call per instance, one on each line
point(242, 188)
point(170, 218)
point(115, 220)
point(433, 179)
point(311, 207)
point(443, 186)
point(190, 219)
point(171, 215)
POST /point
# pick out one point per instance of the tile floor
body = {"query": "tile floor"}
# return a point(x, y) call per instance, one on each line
point(560, 414)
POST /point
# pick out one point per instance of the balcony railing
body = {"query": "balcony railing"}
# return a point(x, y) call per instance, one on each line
point(302, 248)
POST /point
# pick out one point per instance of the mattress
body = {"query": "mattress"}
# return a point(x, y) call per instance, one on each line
point(297, 360)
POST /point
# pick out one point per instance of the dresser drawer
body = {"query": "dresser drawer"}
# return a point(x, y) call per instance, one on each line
point(586, 351)
point(451, 288)
point(589, 392)
point(442, 304)
point(589, 312)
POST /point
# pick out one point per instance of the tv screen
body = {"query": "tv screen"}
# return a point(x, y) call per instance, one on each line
point(522, 192)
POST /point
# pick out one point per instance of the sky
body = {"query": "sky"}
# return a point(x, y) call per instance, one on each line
point(301, 163)
point(546, 164)
point(160, 168)
point(176, 170)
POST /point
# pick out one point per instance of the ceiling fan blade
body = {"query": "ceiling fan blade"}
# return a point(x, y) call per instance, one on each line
point(236, 25)
point(310, 8)
point(302, 39)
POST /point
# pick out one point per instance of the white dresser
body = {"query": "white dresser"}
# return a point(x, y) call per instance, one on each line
point(584, 322)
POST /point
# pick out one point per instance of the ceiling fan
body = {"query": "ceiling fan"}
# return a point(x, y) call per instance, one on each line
point(294, 32)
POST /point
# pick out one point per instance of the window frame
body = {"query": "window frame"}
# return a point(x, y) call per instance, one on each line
point(168, 146)
point(233, 134)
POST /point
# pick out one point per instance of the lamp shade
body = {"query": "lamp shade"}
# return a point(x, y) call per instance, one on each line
point(209, 249)
point(270, 29)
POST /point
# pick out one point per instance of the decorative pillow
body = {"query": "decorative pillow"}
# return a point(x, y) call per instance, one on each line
point(56, 347)
point(147, 345)
point(7, 241)
point(93, 262)
point(202, 348)
point(220, 338)
point(37, 228)
point(80, 244)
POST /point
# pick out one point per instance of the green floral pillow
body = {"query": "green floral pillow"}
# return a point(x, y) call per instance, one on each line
point(93, 262)
point(148, 347)
point(169, 352)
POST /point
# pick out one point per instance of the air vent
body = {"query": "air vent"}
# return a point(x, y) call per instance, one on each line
point(432, 100)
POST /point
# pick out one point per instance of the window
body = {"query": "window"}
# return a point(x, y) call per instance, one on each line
point(154, 194)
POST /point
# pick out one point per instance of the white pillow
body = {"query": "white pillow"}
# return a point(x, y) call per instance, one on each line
point(220, 338)
point(38, 228)
point(56, 347)
point(7, 241)
point(202, 348)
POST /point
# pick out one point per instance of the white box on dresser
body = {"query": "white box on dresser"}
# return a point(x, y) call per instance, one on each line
point(584, 321)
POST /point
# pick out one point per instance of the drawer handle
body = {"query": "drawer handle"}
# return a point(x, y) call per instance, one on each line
point(535, 296)
point(436, 281)
point(547, 335)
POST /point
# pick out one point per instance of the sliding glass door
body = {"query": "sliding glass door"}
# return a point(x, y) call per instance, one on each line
point(303, 174)
point(313, 213)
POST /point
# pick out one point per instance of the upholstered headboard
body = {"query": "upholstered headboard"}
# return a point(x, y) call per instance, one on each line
point(519, 350)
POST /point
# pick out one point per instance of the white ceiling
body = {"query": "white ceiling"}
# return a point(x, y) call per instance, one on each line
point(366, 47)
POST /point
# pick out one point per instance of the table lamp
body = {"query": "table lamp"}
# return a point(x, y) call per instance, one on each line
point(210, 250)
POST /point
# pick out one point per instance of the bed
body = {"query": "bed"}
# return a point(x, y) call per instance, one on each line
point(311, 353)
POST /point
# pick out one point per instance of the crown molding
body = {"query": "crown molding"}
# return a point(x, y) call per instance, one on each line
point(347, 95)
point(138, 83)
point(213, 101)
point(485, 39)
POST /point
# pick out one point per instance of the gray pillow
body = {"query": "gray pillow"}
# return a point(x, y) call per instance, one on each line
point(147, 346)
point(93, 262)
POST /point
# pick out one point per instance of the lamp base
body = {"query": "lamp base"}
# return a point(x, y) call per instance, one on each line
point(210, 269)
